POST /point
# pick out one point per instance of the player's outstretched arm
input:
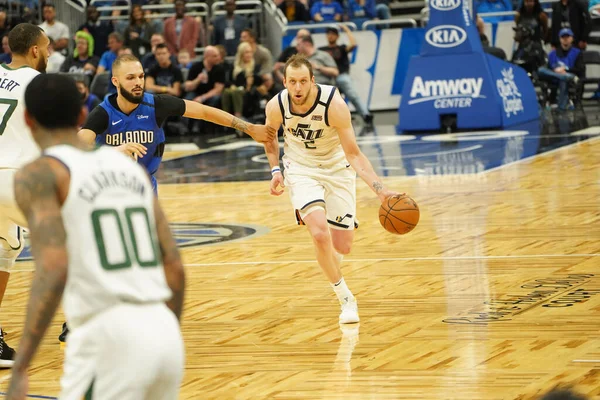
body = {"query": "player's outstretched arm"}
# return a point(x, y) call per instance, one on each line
point(37, 194)
point(274, 121)
point(174, 271)
point(200, 111)
point(339, 118)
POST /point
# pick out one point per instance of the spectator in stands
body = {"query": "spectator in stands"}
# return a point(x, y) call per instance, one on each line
point(164, 77)
point(495, 51)
point(339, 52)
point(149, 60)
point(4, 25)
point(83, 60)
point(183, 59)
point(489, 6)
point(294, 11)
point(245, 70)
point(228, 28)
point(226, 64)
point(571, 14)
point(530, 54)
point(138, 33)
point(115, 43)
point(6, 56)
point(325, 69)
point(124, 50)
point(361, 9)
point(285, 54)
point(256, 100)
point(183, 32)
point(98, 29)
point(55, 30)
point(55, 59)
point(262, 55)
point(89, 99)
point(565, 66)
point(382, 8)
point(531, 14)
point(206, 79)
point(326, 11)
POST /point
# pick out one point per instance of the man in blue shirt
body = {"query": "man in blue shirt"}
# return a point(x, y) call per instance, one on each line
point(326, 11)
point(115, 43)
point(132, 119)
point(565, 66)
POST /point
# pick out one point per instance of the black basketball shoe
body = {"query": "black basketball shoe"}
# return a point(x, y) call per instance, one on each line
point(7, 354)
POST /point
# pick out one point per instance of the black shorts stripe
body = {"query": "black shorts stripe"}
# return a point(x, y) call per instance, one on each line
point(338, 224)
point(311, 202)
point(299, 218)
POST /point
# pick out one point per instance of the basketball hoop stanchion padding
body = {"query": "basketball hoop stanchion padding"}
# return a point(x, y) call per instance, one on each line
point(452, 76)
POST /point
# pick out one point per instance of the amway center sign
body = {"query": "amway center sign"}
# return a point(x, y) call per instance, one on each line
point(446, 93)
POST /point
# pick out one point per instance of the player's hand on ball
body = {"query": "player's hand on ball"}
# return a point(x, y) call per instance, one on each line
point(277, 181)
point(385, 193)
point(133, 150)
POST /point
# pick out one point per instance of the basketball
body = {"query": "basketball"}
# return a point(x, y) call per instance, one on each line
point(399, 214)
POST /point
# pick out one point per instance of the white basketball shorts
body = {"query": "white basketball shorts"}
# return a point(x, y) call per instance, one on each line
point(332, 188)
point(10, 214)
point(128, 352)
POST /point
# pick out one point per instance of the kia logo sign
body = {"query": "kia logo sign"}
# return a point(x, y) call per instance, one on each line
point(445, 36)
point(444, 5)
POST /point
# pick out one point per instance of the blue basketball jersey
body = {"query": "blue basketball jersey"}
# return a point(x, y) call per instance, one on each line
point(139, 127)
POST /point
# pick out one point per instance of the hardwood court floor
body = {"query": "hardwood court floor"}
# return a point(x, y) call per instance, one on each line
point(495, 295)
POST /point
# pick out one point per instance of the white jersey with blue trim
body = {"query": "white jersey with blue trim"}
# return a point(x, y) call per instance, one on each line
point(17, 146)
point(308, 138)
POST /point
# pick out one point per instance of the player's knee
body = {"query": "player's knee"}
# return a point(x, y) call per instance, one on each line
point(342, 247)
point(321, 237)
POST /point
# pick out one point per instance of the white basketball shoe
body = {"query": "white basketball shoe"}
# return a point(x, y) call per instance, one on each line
point(349, 314)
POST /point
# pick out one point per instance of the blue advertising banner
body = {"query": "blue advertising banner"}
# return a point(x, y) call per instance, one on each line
point(452, 76)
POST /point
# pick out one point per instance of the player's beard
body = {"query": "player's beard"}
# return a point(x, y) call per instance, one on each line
point(302, 101)
point(130, 97)
point(41, 66)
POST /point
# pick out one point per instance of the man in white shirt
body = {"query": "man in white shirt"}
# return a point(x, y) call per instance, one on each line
point(55, 60)
point(55, 30)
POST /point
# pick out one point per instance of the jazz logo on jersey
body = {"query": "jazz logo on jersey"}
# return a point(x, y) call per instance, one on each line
point(303, 131)
point(117, 139)
point(193, 235)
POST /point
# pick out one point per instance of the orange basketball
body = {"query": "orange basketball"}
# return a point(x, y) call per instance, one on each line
point(399, 214)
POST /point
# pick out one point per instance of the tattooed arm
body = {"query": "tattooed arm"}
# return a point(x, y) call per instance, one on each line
point(339, 118)
point(172, 261)
point(200, 111)
point(38, 195)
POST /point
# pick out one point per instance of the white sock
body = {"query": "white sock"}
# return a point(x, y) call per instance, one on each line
point(340, 257)
point(342, 292)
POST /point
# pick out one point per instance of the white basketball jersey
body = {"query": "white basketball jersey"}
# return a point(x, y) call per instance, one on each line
point(308, 138)
point(17, 146)
point(114, 255)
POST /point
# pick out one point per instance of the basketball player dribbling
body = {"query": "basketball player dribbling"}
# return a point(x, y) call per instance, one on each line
point(321, 159)
point(98, 234)
point(29, 46)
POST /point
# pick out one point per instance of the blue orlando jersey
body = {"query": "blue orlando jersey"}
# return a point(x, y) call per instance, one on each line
point(140, 126)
